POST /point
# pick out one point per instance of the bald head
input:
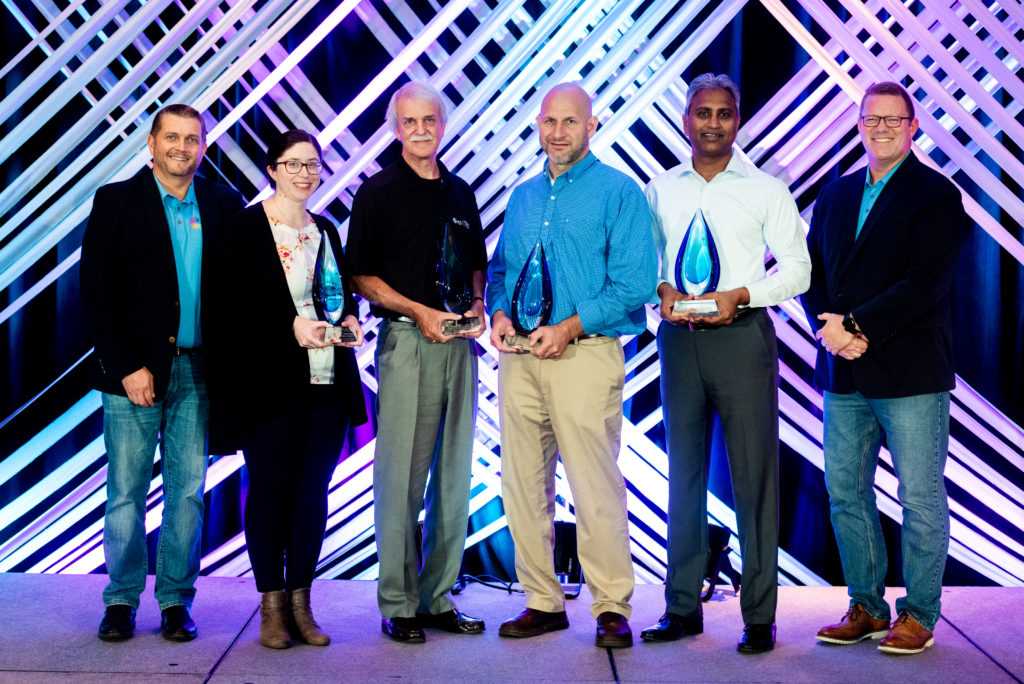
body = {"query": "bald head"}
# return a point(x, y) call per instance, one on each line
point(566, 123)
point(568, 93)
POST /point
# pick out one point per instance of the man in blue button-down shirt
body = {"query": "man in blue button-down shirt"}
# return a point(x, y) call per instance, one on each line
point(564, 397)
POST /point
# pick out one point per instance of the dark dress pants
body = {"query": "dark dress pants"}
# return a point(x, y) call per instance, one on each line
point(732, 370)
point(290, 460)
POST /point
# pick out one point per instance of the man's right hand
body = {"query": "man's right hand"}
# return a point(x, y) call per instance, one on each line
point(429, 321)
point(501, 325)
point(140, 388)
point(669, 296)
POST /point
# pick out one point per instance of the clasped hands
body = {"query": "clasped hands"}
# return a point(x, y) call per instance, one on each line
point(837, 340)
point(728, 303)
point(310, 334)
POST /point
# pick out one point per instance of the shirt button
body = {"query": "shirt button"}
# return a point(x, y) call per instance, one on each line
point(172, 339)
point(545, 223)
point(552, 197)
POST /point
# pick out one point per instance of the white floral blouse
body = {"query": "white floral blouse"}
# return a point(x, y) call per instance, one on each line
point(297, 248)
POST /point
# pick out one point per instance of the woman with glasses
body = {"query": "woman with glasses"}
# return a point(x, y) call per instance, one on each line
point(280, 391)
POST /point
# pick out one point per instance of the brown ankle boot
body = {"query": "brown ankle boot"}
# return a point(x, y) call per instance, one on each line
point(303, 618)
point(273, 620)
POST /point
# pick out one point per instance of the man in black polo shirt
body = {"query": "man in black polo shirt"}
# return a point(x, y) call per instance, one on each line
point(427, 396)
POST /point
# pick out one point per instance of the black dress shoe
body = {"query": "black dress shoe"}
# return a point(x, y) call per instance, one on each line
point(757, 639)
point(613, 631)
point(177, 624)
point(531, 623)
point(454, 621)
point(406, 630)
point(671, 627)
point(118, 623)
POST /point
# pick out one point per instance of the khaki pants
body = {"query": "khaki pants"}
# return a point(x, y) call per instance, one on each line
point(570, 407)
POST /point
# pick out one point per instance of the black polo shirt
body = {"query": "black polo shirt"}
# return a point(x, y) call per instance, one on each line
point(397, 226)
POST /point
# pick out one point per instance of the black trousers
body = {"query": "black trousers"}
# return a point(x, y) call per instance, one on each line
point(734, 371)
point(290, 461)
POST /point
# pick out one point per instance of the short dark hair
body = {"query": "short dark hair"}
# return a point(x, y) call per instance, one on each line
point(285, 140)
point(179, 110)
point(711, 81)
point(889, 88)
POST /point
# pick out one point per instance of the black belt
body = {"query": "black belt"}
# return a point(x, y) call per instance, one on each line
point(187, 351)
point(738, 316)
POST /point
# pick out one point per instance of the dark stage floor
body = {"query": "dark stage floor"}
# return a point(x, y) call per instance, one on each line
point(48, 623)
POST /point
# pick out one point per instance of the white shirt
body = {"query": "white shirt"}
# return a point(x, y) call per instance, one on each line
point(748, 212)
point(297, 248)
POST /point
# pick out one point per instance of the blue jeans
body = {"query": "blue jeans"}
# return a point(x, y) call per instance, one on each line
point(130, 434)
point(916, 429)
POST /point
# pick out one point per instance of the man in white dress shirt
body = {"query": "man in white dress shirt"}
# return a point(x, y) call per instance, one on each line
point(725, 363)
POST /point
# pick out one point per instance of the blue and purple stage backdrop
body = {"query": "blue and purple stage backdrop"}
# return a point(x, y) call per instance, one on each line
point(80, 80)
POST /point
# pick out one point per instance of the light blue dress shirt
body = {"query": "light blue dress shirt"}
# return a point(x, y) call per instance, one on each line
point(187, 241)
point(595, 226)
point(871, 193)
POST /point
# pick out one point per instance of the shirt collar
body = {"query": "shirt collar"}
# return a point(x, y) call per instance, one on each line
point(415, 178)
point(736, 166)
point(877, 186)
point(190, 195)
point(574, 171)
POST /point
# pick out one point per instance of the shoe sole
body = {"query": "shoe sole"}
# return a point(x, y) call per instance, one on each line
point(847, 642)
point(656, 637)
point(115, 637)
point(523, 634)
point(753, 651)
point(613, 642)
point(179, 637)
point(906, 651)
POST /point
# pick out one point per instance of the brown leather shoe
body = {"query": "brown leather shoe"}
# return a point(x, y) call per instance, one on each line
point(613, 631)
point(855, 626)
point(906, 637)
point(531, 623)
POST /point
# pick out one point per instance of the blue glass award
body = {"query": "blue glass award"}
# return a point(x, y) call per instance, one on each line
point(329, 294)
point(697, 268)
point(532, 300)
point(454, 285)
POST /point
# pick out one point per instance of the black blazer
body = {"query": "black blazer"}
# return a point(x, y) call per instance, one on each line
point(257, 369)
point(895, 279)
point(128, 280)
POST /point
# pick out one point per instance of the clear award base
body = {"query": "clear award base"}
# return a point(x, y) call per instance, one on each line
point(458, 326)
point(696, 307)
point(338, 333)
point(520, 343)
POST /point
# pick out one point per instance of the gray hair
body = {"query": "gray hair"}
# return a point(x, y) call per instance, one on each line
point(415, 91)
point(711, 81)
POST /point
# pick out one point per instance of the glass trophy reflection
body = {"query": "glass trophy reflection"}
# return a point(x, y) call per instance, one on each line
point(454, 285)
point(329, 294)
point(697, 268)
point(531, 300)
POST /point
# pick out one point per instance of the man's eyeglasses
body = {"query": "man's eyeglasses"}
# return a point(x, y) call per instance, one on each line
point(293, 167)
point(890, 121)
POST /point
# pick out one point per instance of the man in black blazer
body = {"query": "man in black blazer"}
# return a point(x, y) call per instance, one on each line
point(883, 245)
point(141, 275)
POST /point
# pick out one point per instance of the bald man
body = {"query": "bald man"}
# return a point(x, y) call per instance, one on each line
point(560, 384)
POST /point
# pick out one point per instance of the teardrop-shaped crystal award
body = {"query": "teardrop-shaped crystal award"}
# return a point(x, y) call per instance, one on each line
point(531, 300)
point(329, 293)
point(697, 267)
point(454, 284)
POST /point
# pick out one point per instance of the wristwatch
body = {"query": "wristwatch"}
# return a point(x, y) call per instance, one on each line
point(850, 325)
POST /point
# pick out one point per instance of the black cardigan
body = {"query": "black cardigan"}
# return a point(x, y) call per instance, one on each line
point(256, 368)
